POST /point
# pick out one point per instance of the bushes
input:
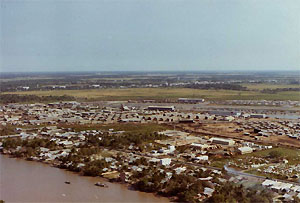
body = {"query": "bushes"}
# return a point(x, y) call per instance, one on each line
point(121, 141)
point(149, 180)
point(38, 142)
point(11, 143)
point(184, 187)
point(94, 168)
point(14, 98)
point(275, 91)
point(275, 154)
point(218, 87)
point(230, 192)
point(86, 152)
point(30, 147)
point(7, 130)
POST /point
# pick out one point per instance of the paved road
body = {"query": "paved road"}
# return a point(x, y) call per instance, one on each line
point(235, 172)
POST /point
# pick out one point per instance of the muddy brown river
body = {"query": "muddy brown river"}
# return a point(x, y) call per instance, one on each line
point(28, 181)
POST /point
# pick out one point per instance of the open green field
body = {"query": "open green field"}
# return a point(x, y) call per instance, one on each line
point(268, 86)
point(292, 155)
point(163, 93)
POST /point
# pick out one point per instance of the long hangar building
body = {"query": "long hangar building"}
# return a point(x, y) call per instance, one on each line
point(190, 100)
point(161, 108)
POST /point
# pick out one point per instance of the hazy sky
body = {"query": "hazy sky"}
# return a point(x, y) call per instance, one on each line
point(119, 35)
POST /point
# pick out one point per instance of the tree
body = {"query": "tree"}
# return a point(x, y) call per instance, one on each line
point(275, 154)
point(230, 192)
point(296, 199)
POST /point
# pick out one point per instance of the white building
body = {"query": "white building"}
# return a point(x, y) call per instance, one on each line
point(165, 161)
point(245, 150)
point(171, 148)
point(25, 88)
point(222, 141)
point(191, 100)
point(202, 158)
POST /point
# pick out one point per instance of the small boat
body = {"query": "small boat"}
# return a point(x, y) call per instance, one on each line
point(99, 184)
point(67, 182)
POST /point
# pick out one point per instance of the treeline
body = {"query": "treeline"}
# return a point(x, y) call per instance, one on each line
point(230, 192)
point(217, 86)
point(182, 186)
point(274, 91)
point(186, 187)
point(128, 127)
point(14, 98)
point(294, 82)
point(29, 147)
point(123, 141)
point(35, 84)
point(7, 130)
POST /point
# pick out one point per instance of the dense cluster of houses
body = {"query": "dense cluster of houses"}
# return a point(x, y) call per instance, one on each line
point(290, 171)
point(41, 121)
point(260, 102)
point(74, 112)
point(266, 128)
point(83, 113)
point(287, 190)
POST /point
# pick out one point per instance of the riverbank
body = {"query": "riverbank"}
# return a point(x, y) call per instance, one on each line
point(30, 181)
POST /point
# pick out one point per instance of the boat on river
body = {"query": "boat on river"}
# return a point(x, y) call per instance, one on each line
point(99, 184)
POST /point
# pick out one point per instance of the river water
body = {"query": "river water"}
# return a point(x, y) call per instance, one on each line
point(27, 181)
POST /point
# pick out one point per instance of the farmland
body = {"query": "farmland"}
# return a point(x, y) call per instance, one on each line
point(268, 86)
point(163, 93)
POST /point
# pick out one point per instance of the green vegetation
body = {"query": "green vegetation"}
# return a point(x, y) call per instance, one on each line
point(120, 142)
point(262, 86)
point(94, 168)
point(11, 143)
point(184, 187)
point(35, 143)
point(7, 130)
point(230, 192)
point(163, 93)
point(277, 90)
point(14, 98)
point(271, 157)
point(275, 154)
point(29, 147)
point(292, 155)
point(219, 163)
point(128, 127)
point(222, 86)
point(134, 134)
point(296, 199)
